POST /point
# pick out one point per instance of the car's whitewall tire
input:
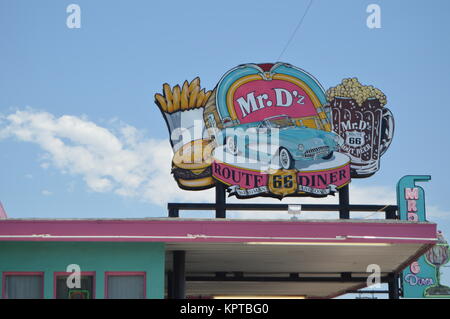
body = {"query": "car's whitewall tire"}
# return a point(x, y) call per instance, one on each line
point(231, 145)
point(285, 159)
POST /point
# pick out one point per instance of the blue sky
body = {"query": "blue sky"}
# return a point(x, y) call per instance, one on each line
point(100, 80)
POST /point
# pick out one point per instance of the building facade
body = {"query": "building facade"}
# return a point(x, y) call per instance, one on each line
point(202, 258)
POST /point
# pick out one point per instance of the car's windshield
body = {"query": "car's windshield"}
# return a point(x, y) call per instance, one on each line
point(280, 122)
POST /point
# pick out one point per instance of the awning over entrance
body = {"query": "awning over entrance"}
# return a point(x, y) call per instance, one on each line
point(298, 258)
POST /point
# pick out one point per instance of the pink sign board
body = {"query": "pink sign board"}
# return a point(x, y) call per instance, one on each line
point(247, 182)
point(260, 99)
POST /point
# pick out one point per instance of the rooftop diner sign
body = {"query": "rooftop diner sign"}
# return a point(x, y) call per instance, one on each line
point(272, 130)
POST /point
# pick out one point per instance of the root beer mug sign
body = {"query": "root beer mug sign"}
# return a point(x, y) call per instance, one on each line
point(362, 120)
point(272, 130)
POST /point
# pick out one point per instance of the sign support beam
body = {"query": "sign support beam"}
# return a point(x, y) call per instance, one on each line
point(344, 210)
point(220, 200)
point(174, 208)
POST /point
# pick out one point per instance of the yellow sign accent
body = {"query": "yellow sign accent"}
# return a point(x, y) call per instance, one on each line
point(283, 182)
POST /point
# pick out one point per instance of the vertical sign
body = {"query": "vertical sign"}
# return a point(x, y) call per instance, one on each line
point(421, 279)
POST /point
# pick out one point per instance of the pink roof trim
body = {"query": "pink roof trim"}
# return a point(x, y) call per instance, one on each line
point(191, 230)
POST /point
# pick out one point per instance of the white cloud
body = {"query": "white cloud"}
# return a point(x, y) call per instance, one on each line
point(46, 192)
point(70, 186)
point(119, 160)
point(435, 212)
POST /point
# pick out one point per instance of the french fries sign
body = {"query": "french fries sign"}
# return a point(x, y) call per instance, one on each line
point(272, 130)
point(187, 97)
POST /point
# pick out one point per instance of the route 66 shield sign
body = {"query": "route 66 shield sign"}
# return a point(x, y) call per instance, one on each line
point(283, 182)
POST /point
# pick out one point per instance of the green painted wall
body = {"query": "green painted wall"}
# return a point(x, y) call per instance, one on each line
point(50, 257)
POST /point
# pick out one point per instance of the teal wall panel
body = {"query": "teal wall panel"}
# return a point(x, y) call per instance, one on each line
point(50, 257)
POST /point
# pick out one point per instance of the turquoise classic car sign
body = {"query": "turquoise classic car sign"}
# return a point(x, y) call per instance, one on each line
point(293, 143)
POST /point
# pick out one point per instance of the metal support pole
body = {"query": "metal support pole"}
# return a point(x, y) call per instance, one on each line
point(393, 286)
point(169, 285)
point(179, 274)
point(344, 203)
point(220, 200)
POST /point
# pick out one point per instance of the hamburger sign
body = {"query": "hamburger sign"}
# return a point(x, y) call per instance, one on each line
point(272, 130)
